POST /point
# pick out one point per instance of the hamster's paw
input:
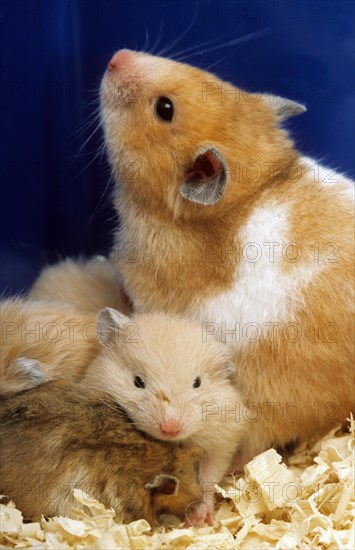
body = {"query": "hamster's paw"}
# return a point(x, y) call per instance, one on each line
point(26, 372)
point(199, 514)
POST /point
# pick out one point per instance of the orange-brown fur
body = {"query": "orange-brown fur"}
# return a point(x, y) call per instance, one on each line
point(174, 272)
point(59, 436)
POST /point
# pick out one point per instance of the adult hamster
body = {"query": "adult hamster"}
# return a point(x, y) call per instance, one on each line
point(236, 229)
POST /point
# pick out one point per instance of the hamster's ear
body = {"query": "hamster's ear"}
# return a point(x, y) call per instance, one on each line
point(109, 320)
point(163, 485)
point(282, 107)
point(222, 369)
point(229, 369)
point(206, 178)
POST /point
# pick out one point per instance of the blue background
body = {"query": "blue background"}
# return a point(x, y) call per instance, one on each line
point(55, 188)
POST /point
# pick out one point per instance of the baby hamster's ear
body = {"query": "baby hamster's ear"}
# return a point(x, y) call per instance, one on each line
point(229, 369)
point(220, 370)
point(108, 322)
point(206, 177)
point(282, 107)
point(163, 485)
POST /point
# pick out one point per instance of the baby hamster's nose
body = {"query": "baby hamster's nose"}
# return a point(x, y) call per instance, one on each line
point(121, 59)
point(170, 428)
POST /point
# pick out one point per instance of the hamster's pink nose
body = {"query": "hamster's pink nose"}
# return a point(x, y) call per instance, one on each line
point(170, 428)
point(121, 59)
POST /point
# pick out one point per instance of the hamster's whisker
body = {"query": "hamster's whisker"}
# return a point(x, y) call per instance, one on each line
point(159, 37)
point(95, 101)
point(92, 90)
point(81, 130)
point(98, 126)
point(107, 395)
point(107, 404)
point(112, 218)
point(110, 398)
point(81, 148)
point(85, 125)
point(85, 154)
point(94, 94)
point(84, 168)
point(91, 135)
point(182, 35)
point(190, 49)
point(235, 42)
point(209, 67)
point(101, 150)
point(146, 43)
point(103, 194)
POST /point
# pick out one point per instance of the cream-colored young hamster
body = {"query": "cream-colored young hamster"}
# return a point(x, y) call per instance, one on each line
point(90, 284)
point(62, 436)
point(233, 227)
point(175, 386)
point(41, 340)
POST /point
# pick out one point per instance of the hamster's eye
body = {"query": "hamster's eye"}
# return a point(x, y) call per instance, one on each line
point(197, 382)
point(165, 108)
point(138, 382)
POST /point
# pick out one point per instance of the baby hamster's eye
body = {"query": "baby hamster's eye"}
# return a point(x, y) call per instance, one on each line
point(197, 382)
point(138, 382)
point(164, 108)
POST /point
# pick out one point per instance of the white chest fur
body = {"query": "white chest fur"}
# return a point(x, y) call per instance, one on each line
point(264, 294)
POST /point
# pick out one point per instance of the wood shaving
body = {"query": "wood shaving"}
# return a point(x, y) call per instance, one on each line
point(308, 503)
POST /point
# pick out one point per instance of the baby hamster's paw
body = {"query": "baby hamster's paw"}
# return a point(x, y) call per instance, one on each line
point(25, 374)
point(199, 514)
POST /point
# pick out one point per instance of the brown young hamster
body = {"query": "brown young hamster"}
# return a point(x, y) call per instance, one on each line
point(61, 436)
point(90, 285)
point(234, 228)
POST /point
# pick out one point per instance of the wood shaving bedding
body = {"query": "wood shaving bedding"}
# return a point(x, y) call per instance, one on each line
point(307, 504)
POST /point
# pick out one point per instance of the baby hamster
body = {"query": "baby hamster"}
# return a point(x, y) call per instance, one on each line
point(173, 385)
point(61, 436)
point(42, 339)
point(90, 285)
point(176, 387)
point(235, 228)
